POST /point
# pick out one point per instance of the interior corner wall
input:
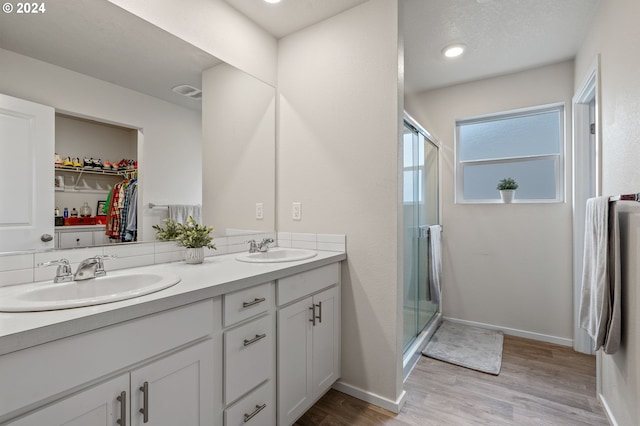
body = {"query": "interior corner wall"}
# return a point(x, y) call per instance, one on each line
point(337, 155)
point(613, 30)
point(508, 266)
point(215, 27)
point(170, 131)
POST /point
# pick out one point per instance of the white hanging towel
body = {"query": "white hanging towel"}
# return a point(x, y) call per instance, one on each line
point(181, 212)
point(435, 263)
point(601, 274)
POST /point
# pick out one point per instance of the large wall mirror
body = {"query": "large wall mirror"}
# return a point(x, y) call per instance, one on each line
point(94, 62)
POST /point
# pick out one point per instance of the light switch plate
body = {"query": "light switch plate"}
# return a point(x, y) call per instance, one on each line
point(259, 211)
point(296, 211)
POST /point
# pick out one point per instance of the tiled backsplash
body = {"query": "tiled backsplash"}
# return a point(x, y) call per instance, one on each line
point(21, 268)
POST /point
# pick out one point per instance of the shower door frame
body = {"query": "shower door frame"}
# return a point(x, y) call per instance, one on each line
point(412, 350)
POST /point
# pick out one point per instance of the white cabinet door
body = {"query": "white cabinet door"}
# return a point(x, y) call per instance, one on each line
point(326, 341)
point(179, 389)
point(26, 174)
point(294, 360)
point(96, 406)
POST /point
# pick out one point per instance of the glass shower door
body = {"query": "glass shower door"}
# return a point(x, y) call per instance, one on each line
point(419, 209)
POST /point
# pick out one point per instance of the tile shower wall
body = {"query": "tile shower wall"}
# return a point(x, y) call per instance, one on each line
point(22, 268)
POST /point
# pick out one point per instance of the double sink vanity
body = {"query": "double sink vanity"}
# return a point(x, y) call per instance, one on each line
point(240, 339)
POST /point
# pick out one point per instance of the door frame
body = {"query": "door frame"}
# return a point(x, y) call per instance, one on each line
point(583, 150)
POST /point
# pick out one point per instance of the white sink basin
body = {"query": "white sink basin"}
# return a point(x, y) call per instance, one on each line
point(277, 255)
point(48, 296)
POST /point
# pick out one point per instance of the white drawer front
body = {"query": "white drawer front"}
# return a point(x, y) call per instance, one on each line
point(300, 285)
point(63, 364)
point(75, 239)
point(243, 304)
point(257, 408)
point(249, 354)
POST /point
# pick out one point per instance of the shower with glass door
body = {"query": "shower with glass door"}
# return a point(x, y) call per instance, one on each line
point(419, 209)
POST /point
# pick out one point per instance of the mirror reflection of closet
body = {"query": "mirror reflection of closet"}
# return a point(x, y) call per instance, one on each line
point(78, 139)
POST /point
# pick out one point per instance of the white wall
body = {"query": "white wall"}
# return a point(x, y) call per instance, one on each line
point(170, 156)
point(505, 265)
point(337, 155)
point(238, 151)
point(216, 28)
point(614, 30)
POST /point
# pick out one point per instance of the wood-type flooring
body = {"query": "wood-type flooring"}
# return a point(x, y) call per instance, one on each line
point(539, 384)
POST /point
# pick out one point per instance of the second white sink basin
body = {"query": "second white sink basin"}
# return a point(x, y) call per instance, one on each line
point(276, 255)
point(115, 286)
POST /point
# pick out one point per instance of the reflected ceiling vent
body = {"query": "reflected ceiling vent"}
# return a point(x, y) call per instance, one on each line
point(188, 91)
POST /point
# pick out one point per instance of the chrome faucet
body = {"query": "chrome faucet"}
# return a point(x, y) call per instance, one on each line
point(92, 267)
point(264, 245)
point(260, 247)
point(63, 273)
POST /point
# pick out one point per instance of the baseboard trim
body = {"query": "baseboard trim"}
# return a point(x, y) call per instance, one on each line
point(515, 332)
point(607, 410)
point(372, 398)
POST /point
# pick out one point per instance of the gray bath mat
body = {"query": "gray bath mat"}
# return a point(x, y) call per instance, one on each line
point(471, 347)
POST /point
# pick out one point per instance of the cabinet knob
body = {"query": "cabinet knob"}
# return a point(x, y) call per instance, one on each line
point(46, 238)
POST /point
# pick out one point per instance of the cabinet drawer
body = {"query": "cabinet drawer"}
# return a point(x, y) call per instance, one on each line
point(249, 355)
point(75, 239)
point(300, 285)
point(243, 304)
point(257, 408)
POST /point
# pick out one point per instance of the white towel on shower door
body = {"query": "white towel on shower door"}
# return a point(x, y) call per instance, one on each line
point(601, 275)
point(435, 263)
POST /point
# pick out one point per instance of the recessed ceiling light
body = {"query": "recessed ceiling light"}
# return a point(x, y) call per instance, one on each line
point(272, 1)
point(454, 50)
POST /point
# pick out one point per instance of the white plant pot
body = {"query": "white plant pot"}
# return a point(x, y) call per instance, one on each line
point(507, 195)
point(194, 255)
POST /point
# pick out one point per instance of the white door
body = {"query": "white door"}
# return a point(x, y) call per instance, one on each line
point(175, 390)
point(326, 341)
point(294, 361)
point(26, 175)
point(97, 406)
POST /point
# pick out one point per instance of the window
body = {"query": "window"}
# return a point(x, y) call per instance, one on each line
point(526, 145)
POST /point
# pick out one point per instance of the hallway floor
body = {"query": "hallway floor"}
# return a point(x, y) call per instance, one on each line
point(539, 384)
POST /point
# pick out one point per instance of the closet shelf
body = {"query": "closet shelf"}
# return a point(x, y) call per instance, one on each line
point(80, 171)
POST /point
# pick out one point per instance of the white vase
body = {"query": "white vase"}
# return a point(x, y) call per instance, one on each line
point(507, 195)
point(194, 255)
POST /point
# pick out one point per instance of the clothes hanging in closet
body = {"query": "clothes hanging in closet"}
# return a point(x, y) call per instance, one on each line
point(122, 211)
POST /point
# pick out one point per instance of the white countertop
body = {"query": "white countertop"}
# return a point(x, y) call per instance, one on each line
point(216, 276)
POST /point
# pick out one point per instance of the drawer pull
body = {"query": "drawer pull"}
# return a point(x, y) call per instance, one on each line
point(319, 305)
point(145, 402)
point(122, 421)
point(254, 302)
point(255, 339)
point(313, 315)
point(259, 408)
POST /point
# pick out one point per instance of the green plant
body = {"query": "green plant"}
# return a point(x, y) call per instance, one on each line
point(507, 183)
point(189, 234)
point(167, 233)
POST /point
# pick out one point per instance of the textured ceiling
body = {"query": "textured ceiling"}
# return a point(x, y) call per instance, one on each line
point(289, 16)
point(501, 36)
point(99, 39)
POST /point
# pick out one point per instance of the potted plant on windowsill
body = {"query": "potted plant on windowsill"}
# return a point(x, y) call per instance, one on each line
point(191, 235)
point(507, 188)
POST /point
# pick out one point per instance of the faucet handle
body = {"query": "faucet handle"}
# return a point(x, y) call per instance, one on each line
point(63, 273)
point(100, 272)
point(253, 246)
